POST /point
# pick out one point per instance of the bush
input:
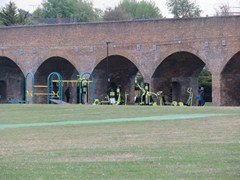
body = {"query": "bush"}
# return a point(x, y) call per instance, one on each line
point(205, 81)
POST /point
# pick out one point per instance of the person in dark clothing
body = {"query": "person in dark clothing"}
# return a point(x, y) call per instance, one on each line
point(68, 94)
point(200, 97)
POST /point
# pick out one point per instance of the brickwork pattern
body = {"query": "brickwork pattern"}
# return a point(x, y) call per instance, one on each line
point(146, 43)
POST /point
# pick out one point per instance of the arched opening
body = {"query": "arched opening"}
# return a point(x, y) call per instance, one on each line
point(176, 74)
point(3, 91)
point(176, 91)
point(205, 82)
point(11, 81)
point(65, 69)
point(230, 82)
point(115, 71)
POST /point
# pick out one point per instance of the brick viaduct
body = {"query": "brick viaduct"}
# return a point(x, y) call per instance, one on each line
point(168, 53)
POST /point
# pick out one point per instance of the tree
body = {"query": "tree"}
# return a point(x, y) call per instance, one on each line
point(85, 12)
point(10, 15)
point(132, 9)
point(183, 8)
point(115, 15)
point(80, 10)
point(223, 10)
point(205, 81)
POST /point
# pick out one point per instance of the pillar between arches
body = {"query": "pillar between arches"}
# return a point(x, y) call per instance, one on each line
point(216, 89)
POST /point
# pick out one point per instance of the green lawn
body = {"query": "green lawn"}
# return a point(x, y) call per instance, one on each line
point(195, 148)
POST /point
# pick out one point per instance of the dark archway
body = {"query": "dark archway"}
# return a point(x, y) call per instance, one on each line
point(176, 74)
point(64, 68)
point(176, 91)
point(205, 81)
point(11, 81)
point(230, 82)
point(115, 71)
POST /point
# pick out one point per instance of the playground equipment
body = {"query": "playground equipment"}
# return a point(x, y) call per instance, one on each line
point(85, 83)
point(119, 99)
point(85, 79)
point(32, 93)
point(189, 101)
point(106, 101)
point(147, 97)
point(114, 97)
point(85, 92)
point(51, 91)
point(190, 98)
point(43, 91)
point(29, 93)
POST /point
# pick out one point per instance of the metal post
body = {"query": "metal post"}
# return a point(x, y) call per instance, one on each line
point(108, 78)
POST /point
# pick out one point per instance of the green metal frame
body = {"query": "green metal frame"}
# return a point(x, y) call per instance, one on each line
point(50, 86)
point(29, 75)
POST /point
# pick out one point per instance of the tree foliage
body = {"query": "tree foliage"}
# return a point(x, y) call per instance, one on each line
point(80, 10)
point(132, 9)
point(205, 81)
point(183, 8)
point(11, 15)
point(223, 10)
point(115, 15)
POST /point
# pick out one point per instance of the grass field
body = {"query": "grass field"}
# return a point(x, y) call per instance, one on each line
point(131, 142)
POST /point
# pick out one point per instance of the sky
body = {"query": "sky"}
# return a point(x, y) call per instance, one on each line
point(208, 6)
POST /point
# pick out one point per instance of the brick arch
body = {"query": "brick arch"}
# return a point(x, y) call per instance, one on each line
point(55, 53)
point(230, 60)
point(12, 57)
point(134, 58)
point(112, 72)
point(64, 67)
point(227, 58)
point(176, 73)
point(172, 51)
point(14, 60)
point(165, 58)
point(11, 80)
point(230, 81)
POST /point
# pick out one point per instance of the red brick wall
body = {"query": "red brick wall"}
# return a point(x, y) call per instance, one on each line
point(146, 43)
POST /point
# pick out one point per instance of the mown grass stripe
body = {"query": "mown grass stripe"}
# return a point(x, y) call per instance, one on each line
point(118, 120)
